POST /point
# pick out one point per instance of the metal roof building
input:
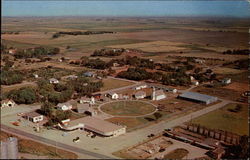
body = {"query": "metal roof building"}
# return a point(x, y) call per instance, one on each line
point(197, 97)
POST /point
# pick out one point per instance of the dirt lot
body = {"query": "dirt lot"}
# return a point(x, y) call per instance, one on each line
point(239, 87)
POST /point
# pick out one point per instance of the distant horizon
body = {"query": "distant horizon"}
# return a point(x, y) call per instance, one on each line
point(198, 8)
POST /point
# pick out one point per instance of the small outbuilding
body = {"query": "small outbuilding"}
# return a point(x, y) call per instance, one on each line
point(226, 81)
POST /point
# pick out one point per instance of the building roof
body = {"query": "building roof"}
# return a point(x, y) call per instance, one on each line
point(112, 93)
point(159, 92)
point(197, 96)
point(89, 74)
point(53, 79)
point(140, 93)
point(62, 104)
point(7, 100)
point(97, 125)
point(81, 108)
point(33, 114)
point(85, 98)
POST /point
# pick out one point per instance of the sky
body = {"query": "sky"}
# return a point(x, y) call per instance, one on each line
point(237, 8)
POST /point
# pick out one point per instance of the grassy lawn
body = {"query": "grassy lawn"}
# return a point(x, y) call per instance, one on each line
point(32, 147)
point(176, 154)
point(110, 83)
point(236, 122)
point(128, 108)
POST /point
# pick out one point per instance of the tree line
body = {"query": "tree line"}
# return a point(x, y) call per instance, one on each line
point(36, 52)
point(75, 33)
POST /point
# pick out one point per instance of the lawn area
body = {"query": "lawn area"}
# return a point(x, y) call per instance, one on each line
point(32, 147)
point(224, 119)
point(176, 154)
point(110, 83)
point(128, 108)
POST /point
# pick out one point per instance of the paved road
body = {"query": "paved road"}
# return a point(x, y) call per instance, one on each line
point(51, 142)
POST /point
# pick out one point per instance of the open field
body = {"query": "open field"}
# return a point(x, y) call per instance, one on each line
point(236, 122)
point(155, 46)
point(110, 83)
point(128, 108)
point(224, 70)
point(7, 88)
point(35, 148)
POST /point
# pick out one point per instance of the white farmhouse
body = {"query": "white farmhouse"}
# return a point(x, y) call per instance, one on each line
point(141, 86)
point(53, 81)
point(87, 100)
point(64, 106)
point(7, 103)
point(113, 95)
point(158, 95)
point(226, 81)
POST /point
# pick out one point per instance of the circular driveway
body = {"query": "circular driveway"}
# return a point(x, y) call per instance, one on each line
point(128, 116)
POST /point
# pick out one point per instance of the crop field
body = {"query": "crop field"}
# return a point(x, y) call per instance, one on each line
point(155, 46)
point(236, 122)
point(224, 70)
point(110, 83)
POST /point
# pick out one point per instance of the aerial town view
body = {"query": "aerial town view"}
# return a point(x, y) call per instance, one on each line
point(124, 79)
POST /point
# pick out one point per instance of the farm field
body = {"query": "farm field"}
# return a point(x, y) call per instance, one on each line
point(236, 122)
point(176, 154)
point(110, 83)
point(224, 70)
point(128, 108)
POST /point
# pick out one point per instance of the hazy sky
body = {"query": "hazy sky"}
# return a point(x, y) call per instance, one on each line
point(126, 8)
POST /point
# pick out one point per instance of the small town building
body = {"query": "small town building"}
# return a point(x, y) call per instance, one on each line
point(140, 95)
point(36, 75)
point(87, 100)
point(98, 126)
point(86, 108)
point(64, 106)
point(53, 81)
point(12, 51)
point(226, 81)
point(140, 86)
point(34, 117)
point(199, 61)
point(158, 95)
point(197, 97)
point(113, 95)
point(7, 103)
point(196, 83)
point(71, 77)
point(89, 74)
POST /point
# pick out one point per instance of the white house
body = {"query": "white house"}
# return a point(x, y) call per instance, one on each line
point(35, 75)
point(158, 95)
point(140, 95)
point(87, 100)
point(53, 81)
point(7, 103)
point(113, 95)
point(196, 83)
point(226, 81)
point(34, 117)
point(64, 106)
point(141, 87)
